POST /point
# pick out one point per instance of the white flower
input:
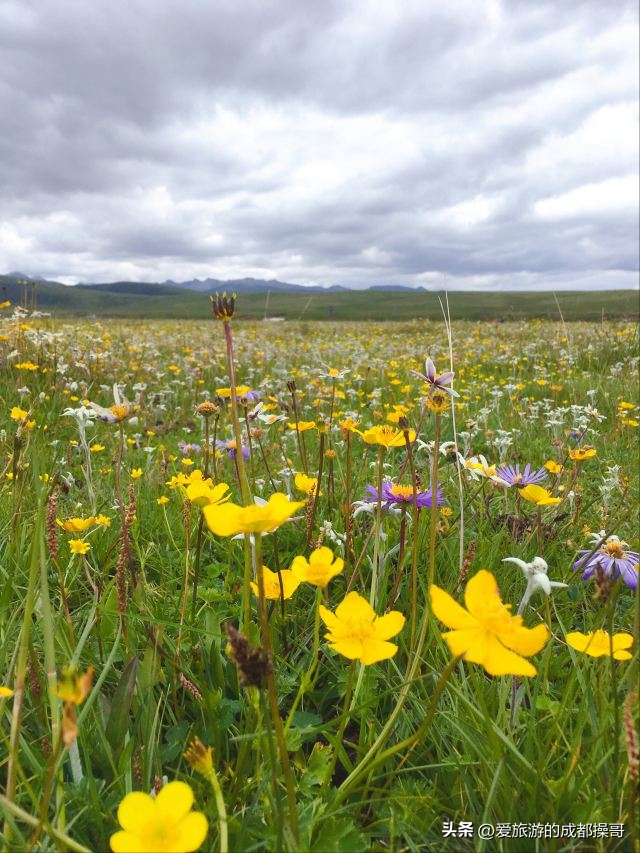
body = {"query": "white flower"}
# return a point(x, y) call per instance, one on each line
point(536, 573)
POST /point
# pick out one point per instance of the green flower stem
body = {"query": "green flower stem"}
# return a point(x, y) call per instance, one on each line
point(414, 534)
point(376, 541)
point(273, 699)
point(223, 829)
point(343, 724)
point(307, 679)
point(434, 502)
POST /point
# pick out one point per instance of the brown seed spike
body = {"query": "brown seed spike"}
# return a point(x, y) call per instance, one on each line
point(253, 664)
point(224, 306)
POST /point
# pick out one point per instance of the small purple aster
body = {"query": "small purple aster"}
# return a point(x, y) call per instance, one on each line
point(613, 559)
point(186, 449)
point(402, 495)
point(512, 475)
point(230, 448)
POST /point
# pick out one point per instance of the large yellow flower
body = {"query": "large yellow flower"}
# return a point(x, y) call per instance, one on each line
point(320, 567)
point(77, 525)
point(599, 643)
point(385, 436)
point(356, 632)
point(486, 632)
point(306, 484)
point(272, 591)
point(581, 454)
point(538, 496)
point(164, 824)
point(202, 492)
point(228, 519)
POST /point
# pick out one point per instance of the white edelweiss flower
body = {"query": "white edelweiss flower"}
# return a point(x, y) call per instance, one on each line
point(536, 573)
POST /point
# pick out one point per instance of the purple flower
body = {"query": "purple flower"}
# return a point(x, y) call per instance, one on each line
point(438, 383)
point(512, 475)
point(613, 560)
point(402, 495)
point(230, 448)
point(186, 449)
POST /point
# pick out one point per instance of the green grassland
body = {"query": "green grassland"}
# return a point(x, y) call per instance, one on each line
point(159, 301)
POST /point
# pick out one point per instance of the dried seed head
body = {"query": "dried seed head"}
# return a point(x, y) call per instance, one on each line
point(190, 687)
point(52, 527)
point(631, 737)
point(207, 409)
point(224, 306)
point(253, 664)
point(199, 757)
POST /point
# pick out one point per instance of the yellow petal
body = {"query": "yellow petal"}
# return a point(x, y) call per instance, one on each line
point(193, 831)
point(223, 520)
point(622, 641)
point(329, 618)
point(449, 611)
point(526, 641)
point(500, 661)
point(351, 649)
point(619, 654)
point(481, 590)
point(136, 808)
point(175, 799)
point(125, 842)
point(578, 641)
point(377, 650)
point(470, 642)
point(354, 606)
point(389, 625)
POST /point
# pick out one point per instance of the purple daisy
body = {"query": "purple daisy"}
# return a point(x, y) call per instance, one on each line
point(512, 475)
point(230, 448)
point(437, 382)
point(402, 495)
point(186, 449)
point(613, 559)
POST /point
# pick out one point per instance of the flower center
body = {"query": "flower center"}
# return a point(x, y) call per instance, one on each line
point(614, 549)
point(159, 834)
point(404, 493)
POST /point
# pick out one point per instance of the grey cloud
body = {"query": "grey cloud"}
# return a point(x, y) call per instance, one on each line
point(345, 141)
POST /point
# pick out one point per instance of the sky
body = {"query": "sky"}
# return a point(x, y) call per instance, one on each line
point(472, 144)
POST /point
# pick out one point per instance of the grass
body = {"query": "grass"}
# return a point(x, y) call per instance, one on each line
point(155, 301)
point(161, 669)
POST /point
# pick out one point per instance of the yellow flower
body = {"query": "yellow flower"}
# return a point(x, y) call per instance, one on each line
point(241, 391)
point(162, 500)
point(486, 632)
point(18, 414)
point(581, 454)
point(385, 436)
point(164, 824)
point(74, 687)
point(320, 567)
point(96, 448)
point(77, 525)
point(599, 643)
point(5, 692)
point(199, 757)
point(552, 467)
point(305, 484)
point(438, 402)
point(136, 473)
point(538, 496)
point(357, 633)
point(103, 520)
point(290, 584)
point(302, 426)
point(178, 480)
point(26, 365)
point(5, 304)
point(349, 425)
point(229, 519)
point(79, 546)
point(204, 493)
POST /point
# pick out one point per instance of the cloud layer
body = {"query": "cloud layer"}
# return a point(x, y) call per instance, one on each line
point(468, 144)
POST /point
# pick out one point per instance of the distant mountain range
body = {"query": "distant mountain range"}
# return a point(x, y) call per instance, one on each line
point(213, 285)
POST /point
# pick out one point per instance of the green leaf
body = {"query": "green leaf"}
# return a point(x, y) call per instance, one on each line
point(118, 722)
point(338, 835)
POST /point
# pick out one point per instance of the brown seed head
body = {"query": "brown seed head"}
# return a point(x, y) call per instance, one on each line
point(224, 306)
point(253, 664)
point(207, 409)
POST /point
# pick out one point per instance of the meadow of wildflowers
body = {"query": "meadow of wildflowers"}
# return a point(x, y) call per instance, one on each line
point(318, 587)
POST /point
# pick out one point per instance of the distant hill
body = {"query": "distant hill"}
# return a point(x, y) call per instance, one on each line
point(172, 301)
